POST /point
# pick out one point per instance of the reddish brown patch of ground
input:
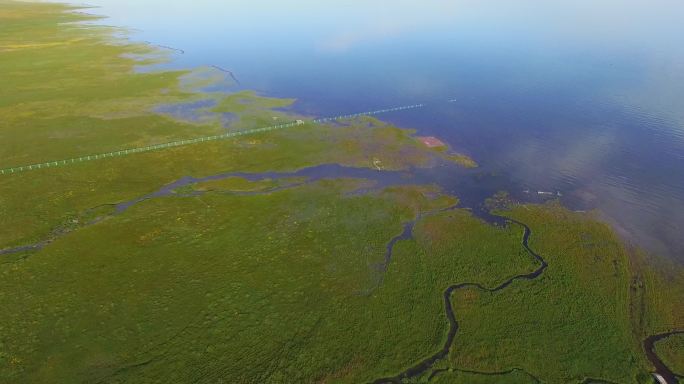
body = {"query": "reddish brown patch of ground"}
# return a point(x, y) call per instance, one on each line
point(431, 142)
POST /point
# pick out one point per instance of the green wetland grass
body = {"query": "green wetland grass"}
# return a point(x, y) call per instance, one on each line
point(670, 352)
point(277, 280)
point(234, 283)
point(71, 113)
point(584, 293)
point(240, 184)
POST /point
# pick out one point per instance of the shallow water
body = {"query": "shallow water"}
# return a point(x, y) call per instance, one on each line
point(580, 97)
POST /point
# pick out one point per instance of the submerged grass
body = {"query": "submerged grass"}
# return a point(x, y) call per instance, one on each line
point(240, 184)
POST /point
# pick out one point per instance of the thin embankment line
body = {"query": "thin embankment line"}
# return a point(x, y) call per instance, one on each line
point(179, 143)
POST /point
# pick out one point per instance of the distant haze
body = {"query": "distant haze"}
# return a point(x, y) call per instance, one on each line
point(581, 97)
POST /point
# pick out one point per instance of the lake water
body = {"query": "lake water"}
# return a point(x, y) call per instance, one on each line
point(580, 97)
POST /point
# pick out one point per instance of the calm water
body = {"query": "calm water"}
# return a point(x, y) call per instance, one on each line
point(581, 97)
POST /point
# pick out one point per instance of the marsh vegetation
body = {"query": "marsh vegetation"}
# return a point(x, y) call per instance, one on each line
point(280, 279)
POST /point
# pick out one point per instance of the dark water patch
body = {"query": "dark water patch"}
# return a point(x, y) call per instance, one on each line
point(312, 174)
point(592, 380)
point(194, 111)
point(228, 118)
point(661, 369)
point(472, 188)
point(379, 269)
point(438, 372)
point(87, 218)
point(406, 234)
point(25, 248)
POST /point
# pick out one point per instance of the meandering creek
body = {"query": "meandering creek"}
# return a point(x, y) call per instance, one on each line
point(471, 190)
point(661, 369)
point(426, 364)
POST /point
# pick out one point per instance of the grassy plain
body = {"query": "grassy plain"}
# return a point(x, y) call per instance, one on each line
point(656, 289)
point(671, 352)
point(274, 286)
point(571, 323)
point(278, 287)
point(240, 184)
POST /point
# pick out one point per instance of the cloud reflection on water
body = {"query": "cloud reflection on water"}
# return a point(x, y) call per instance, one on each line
point(581, 95)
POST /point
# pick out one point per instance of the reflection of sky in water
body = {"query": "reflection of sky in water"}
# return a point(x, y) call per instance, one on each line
point(197, 112)
point(194, 111)
point(582, 96)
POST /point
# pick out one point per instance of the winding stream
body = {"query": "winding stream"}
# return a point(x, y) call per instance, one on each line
point(428, 362)
point(437, 372)
point(661, 369)
point(381, 179)
point(423, 366)
point(311, 174)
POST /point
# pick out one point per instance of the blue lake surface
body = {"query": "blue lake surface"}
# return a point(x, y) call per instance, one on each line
point(585, 98)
